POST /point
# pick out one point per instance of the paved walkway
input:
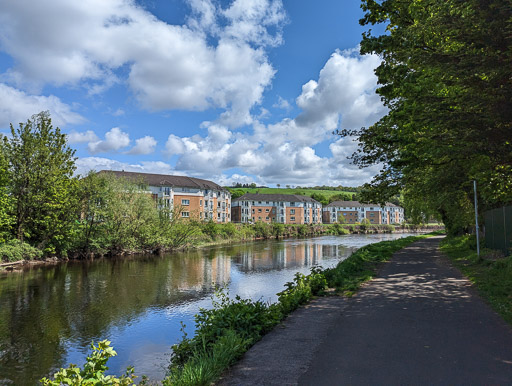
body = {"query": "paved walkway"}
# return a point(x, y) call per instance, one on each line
point(418, 323)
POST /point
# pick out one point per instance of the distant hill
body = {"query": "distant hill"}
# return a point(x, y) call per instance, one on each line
point(315, 193)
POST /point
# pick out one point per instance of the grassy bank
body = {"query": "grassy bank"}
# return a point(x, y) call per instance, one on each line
point(492, 274)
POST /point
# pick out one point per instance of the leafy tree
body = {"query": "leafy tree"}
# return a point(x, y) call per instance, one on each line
point(320, 198)
point(446, 79)
point(41, 167)
point(6, 218)
point(340, 197)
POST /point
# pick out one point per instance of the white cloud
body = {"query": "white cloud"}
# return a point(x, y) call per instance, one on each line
point(282, 104)
point(115, 139)
point(144, 145)
point(217, 59)
point(86, 164)
point(84, 137)
point(283, 152)
point(17, 106)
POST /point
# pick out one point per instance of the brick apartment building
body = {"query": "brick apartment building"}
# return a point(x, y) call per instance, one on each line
point(192, 197)
point(354, 211)
point(280, 208)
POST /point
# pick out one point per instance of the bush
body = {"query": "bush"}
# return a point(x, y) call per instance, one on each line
point(16, 250)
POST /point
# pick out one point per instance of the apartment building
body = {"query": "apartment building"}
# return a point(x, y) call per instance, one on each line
point(191, 197)
point(280, 208)
point(354, 211)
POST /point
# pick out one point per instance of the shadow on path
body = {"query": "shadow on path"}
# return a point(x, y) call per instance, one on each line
point(419, 322)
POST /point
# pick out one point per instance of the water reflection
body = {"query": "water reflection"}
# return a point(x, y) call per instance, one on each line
point(49, 315)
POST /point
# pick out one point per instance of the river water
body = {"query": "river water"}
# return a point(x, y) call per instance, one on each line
point(49, 315)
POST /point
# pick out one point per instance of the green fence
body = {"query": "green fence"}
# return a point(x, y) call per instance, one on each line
point(498, 229)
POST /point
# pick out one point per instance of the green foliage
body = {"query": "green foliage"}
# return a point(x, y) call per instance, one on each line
point(492, 274)
point(322, 199)
point(227, 330)
point(41, 183)
point(248, 319)
point(16, 250)
point(326, 191)
point(262, 229)
point(446, 79)
point(207, 364)
point(93, 372)
point(6, 214)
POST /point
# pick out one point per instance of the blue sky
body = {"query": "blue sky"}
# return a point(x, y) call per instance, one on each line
point(231, 91)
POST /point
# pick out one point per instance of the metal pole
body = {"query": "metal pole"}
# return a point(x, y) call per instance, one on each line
point(476, 222)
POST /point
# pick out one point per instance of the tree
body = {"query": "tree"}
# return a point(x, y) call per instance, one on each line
point(41, 167)
point(6, 217)
point(446, 78)
point(320, 198)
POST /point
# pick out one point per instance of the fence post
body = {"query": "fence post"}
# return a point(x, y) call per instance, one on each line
point(476, 223)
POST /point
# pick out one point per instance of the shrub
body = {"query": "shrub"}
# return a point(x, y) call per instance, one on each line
point(262, 229)
point(16, 250)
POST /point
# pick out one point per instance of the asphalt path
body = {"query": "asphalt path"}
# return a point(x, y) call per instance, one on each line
point(419, 322)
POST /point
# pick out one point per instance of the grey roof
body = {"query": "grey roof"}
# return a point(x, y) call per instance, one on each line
point(350, 204)
point(275, 197)
point(166, 180)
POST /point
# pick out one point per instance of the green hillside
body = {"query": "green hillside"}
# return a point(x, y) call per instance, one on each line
point(327, 194)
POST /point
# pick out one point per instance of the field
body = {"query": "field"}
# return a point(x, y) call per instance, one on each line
point(300, 191)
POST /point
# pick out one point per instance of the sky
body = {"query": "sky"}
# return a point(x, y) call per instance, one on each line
point(227, 90)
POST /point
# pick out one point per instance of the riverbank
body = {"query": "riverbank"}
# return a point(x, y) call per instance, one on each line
point(255, 271)
point(199, 235)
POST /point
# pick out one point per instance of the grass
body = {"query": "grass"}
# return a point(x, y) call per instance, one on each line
point(491, 275)
point(301, 191)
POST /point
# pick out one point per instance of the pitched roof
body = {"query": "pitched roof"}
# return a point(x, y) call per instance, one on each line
point(166, 180)
point(275, 197)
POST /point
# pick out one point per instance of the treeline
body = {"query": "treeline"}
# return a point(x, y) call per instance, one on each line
point(46, 210)
point(446, 80)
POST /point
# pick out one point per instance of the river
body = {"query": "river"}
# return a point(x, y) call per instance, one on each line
point(50, 314)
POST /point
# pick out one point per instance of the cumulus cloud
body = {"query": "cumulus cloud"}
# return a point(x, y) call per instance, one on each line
point(217, 59)
point(84, 137)
point(115, 139)
point(284, 152)
point(145, 145)
point(17, 106)
point(86, 164)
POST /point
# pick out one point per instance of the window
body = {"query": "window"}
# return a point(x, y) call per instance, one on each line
point(253, 211)
point(267, 210)
point(259, 210)
point(167, 191)
point(266, 218)
point(200, 202)
point(259, 218)
point(292, 218)
point(185, 214)
point(292, 211)
point(185, 202)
